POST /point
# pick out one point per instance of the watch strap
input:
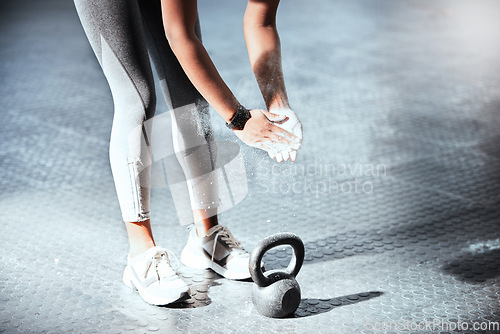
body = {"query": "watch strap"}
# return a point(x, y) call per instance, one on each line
point(239, 119)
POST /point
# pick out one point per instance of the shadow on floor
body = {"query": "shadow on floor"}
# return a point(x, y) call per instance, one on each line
point(421, 239)
point(309, 307)
point(475, 268)
point(199, 293)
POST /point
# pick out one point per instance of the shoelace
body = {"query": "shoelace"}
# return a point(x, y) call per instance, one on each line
point(163, 269)
point(223, 233)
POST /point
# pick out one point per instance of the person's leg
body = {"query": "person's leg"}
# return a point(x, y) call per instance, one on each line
point(209, 244)
point(192, 133)
point(114, 30)
point(140, 236)
point(204, 220)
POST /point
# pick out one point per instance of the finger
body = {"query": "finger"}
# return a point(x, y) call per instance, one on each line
point(279, 158)
point(275, 118)
point(297, 146)
point(277, 134)
point(266, 146)
point(285, 155)
point(279, 147)
point(271, 147)
point(284, 133)
point(276, 138)
point(293, 155)
point(297, 130)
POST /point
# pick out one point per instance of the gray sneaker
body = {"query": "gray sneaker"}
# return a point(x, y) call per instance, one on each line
point(219, 251)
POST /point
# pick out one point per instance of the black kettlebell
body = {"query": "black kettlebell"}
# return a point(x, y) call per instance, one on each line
point(277, 293)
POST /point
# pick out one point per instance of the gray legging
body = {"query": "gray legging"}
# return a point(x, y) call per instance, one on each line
point(121, 32)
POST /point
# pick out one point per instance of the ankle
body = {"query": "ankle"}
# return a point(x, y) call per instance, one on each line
point(140, 236)
point(202, 229)
point(140, 247)
point(204, 220)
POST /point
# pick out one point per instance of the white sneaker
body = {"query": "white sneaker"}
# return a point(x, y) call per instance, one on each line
point(219, 251)
point(151, 274)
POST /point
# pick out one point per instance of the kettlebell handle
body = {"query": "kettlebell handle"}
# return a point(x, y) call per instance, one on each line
point(284, 238)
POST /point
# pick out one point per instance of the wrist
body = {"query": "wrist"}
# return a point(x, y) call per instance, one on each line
point(278, 103)
point(239, 118)
point(279, 109)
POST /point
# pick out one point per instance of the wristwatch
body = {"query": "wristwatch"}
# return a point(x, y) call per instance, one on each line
point(239, 119)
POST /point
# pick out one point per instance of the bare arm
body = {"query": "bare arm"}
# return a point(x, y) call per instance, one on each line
point(179, 17)
point(264, 51)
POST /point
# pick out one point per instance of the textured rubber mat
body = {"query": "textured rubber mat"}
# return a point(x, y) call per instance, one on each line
point(395, 192)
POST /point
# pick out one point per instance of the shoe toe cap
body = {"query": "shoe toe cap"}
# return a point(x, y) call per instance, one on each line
point(239, 266)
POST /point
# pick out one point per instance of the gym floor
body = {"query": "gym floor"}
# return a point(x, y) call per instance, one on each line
point(395, 192)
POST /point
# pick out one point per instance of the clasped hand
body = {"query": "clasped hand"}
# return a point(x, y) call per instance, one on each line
point(278, 132)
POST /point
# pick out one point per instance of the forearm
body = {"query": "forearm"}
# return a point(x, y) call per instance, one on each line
point(264, 51)
point(202, 73)
point(257, 127)
point(179, 19)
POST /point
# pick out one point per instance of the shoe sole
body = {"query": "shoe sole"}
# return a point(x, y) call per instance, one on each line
point(197, 261)
point(129, 281)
